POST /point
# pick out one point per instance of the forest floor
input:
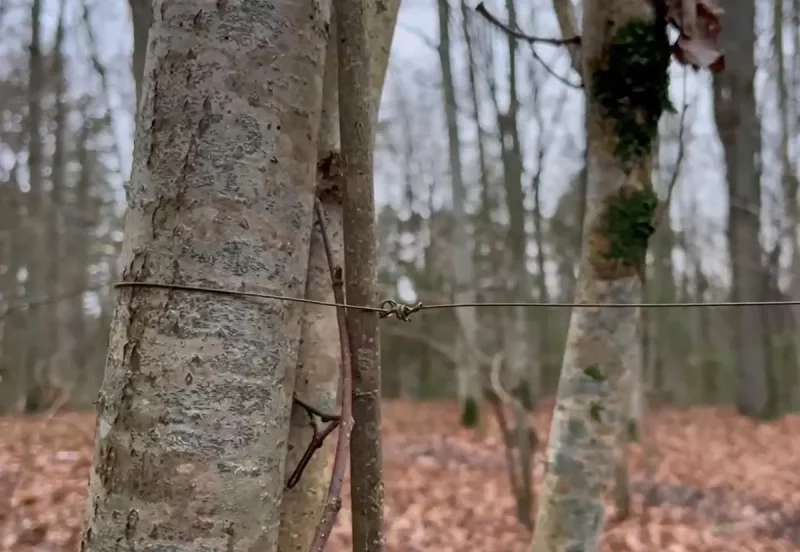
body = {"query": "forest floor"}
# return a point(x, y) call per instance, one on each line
point(712, 481)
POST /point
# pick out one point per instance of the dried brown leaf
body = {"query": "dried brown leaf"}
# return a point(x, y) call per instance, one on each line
point(721, 484)
point(699, 25)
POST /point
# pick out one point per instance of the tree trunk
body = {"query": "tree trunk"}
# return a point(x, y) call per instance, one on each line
point(739, 130)
point(37, 258)
point(194, 410)
point(357, 135)
point(57, 315)
point(142, 18)
point(524, 360)
point(484, 216)
point(13, 353)
point(463, 271)
point(625, 60)
point(788, 350)
point(89, 376)
point(317, 378)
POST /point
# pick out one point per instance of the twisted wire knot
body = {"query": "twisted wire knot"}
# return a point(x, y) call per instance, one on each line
point(401, 311)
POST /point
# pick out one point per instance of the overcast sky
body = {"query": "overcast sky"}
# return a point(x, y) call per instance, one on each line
point(412, 59)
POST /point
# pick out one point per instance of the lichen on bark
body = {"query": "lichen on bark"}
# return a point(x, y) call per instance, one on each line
point(193, 411)
point(624, 68)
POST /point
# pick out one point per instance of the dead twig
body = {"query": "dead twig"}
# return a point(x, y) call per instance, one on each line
point(481, 9)
point(317, 437)
point(681, 151)
point(333, 502)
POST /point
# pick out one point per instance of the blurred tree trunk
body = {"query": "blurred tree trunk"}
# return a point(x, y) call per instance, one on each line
point(625, 61)
point(88, 380)
point(661, 288)
point(784, 328)
point(194, 411)
point(523, 360)
point(485, 194)
point(463, 271)
point(739, 129)
point(38, 340)
point(142, 18)
point(13, 323)
point(794, 117)
point(319, 358)
point(62, 369)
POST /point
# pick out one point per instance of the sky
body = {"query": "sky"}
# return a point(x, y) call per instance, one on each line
point(414, 69)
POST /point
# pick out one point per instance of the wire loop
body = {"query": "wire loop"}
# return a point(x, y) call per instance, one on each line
point(401, 311)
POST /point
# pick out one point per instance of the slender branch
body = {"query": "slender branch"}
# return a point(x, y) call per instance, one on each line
point(356, 133)
point(681, 148)
point(498, 398)
point(481, 9)
point(317, 437)
point(552, 72)
point(101, 71)
point(425, 39)
point(333, 502)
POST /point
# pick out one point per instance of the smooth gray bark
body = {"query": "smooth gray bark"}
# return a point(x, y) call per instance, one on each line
point(194, 409)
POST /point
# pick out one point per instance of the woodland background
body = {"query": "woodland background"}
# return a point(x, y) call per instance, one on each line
point(66, 126)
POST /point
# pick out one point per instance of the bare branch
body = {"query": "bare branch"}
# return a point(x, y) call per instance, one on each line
point(571, 40)
point(497, 387)
point(664, 208)
point(101, 71)
point(333, 502)
point(425, 39)
point(552, 72)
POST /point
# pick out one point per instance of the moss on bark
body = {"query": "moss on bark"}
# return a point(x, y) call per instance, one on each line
point(622, 233)
point(633, 87)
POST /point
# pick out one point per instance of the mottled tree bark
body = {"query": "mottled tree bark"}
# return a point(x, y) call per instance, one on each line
point(194, 409)
point(625, 60)
point(739, 127)
point(317, 378)
point(355, 113)
point(319, 358)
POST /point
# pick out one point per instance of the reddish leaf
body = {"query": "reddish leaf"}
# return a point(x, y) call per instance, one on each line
point(698, 22)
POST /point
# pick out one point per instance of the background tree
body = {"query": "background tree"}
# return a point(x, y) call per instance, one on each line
point(739, 130)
